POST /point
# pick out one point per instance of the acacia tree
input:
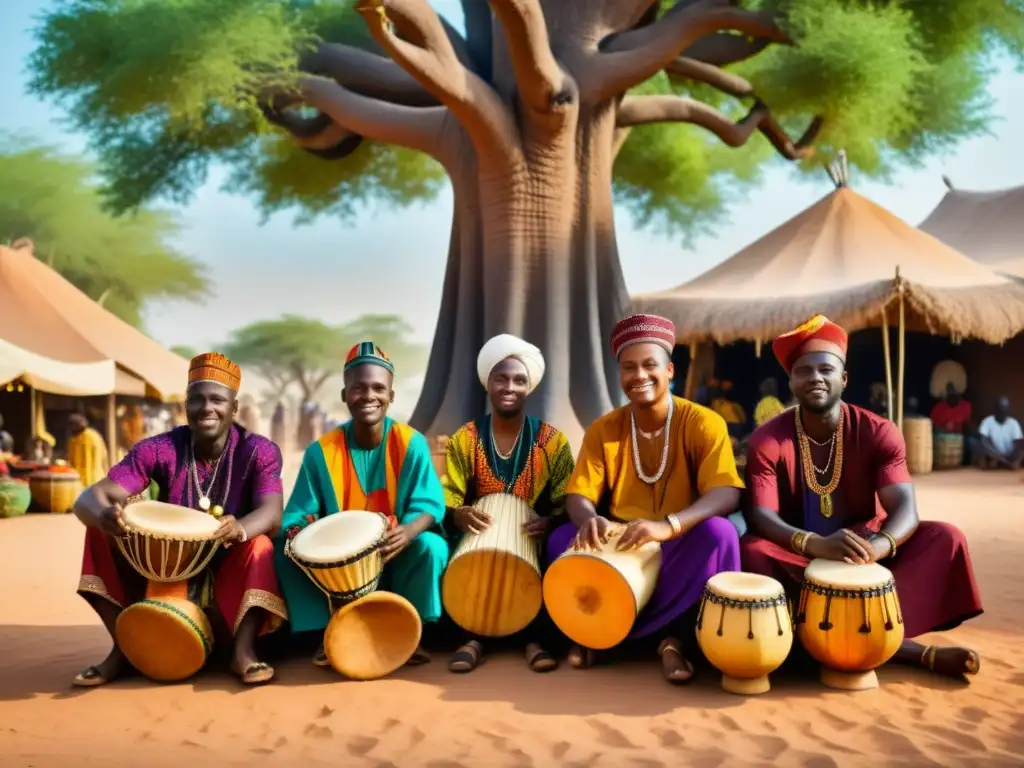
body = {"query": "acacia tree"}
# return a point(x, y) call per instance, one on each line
point(527, 113)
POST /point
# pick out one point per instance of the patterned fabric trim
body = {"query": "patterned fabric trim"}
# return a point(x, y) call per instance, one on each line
point(94, 585)
point(269, 602)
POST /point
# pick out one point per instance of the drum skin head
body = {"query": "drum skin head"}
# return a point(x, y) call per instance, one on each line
point(166, 639)
point(839, 575)
point(339, 536)
point(373, 636)
point(737, 585)
point(170, 521)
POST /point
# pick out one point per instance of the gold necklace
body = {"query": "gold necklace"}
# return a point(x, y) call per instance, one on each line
point(810, 476)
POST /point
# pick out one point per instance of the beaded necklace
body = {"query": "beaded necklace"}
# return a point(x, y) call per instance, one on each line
point(811, 472)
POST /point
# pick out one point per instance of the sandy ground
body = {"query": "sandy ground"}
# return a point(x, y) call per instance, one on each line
point(501, 715)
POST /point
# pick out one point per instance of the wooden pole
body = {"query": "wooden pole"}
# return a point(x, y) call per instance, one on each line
point(690, 385)
point(112, 429)
point(888, 362)
point(901, 364)
point(757, 348)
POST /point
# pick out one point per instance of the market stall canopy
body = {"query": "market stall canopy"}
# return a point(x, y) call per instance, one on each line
point(847, 258)
point(41, 312)
point(987, 226)
point(53, 376)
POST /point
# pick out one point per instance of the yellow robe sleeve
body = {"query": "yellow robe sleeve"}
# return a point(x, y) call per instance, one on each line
point(707, 441)
point(589, 476)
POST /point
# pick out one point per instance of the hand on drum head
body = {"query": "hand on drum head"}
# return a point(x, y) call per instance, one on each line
point(592, 534)
point(536, 527)
point(640, 532)
point(397, 540)
point(111, 521)
point(471, 519)
point(844, 545)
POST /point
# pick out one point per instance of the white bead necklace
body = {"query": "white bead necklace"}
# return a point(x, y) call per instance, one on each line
point(664, 451)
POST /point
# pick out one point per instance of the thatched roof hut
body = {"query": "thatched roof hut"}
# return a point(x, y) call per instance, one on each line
point(987, 226)
point(849, 259)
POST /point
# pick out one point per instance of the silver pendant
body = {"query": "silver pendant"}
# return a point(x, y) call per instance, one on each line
point(204, 503)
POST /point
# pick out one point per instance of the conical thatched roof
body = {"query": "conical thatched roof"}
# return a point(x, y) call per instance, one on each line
point(848, 259)
point(987, 226)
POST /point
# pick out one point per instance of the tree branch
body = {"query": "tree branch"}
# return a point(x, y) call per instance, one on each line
point(434, 64)
point(726, 82)
point(420, 128)
point(367, 74)
point(644, 110)
point(724, 49)
point(319, 135)
point(540, 81)
point(632, 57)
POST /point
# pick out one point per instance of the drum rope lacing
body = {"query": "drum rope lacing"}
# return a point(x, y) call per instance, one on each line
point(883, 591)
point(651, 480)
point(750, 605)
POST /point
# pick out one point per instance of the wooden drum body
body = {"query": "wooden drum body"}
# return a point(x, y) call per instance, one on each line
point(917, 433)
point(492, 585)
point(594, 597)
point(744, 629)
point(849, 620)
point(55, 489)
point(166, 636)
point(948, 450)
point(340, 553)
point(372, 636)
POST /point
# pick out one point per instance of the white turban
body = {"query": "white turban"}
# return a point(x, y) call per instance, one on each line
point(504, 346)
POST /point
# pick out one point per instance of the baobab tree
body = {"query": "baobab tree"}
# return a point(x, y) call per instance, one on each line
point(526, 112)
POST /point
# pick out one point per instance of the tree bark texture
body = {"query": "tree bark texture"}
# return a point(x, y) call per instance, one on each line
point(526, 114)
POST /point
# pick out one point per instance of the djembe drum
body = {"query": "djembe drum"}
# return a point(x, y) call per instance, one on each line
point(492, 586)
point(594, 596)
point(371, 634)
point(948, 450)
point(744, 629)
point(166, 636)
point(55, 488)
point(849, 620)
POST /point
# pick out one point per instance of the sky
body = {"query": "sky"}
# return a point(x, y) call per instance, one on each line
point(261, 271)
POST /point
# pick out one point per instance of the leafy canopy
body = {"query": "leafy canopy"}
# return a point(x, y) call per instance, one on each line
point(161, 86)
point(123, 262)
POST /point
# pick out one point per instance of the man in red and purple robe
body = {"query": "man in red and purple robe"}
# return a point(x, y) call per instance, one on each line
point(830, 480)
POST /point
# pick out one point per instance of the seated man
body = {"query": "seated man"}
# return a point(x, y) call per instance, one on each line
point(87, 452)
point(507, 452)
point(211, 465)
point(1000, 441)
point(829, 480)
point(663, 466)
point(374, 463)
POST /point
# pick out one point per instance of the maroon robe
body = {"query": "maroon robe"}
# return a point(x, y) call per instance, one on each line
point(932, 569)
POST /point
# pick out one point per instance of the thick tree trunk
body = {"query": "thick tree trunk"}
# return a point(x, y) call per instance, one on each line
point(533, 255)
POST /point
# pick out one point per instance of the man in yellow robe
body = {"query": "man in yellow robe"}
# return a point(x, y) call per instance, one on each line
point(87, 451)
point(664, 468)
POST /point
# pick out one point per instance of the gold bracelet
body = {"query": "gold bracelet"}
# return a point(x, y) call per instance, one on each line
point(677, 527)
point(796, 543)
point(806, 540)
point(892, 543)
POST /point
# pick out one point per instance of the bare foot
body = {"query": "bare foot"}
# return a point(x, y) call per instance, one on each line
point(581, 658)
point(675, 667)
point(105, 672)
point(951, 661)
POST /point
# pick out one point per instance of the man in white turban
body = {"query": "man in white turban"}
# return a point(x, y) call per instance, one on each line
point(512, 453)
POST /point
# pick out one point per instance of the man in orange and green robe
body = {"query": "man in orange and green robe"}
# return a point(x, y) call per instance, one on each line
point(372, 463)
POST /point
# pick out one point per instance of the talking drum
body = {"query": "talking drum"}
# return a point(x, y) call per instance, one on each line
point(948, 450)
point(55, 489)
point(849, 620)
point(917, 433)
point(594, 596)
point(744, 629)
point(373, 633)
point(492, 586)
point(166, 636)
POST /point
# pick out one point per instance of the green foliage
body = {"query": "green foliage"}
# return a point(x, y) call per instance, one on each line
point(390, 333)
point(164, 88)
point(123, 262)
point(184, 351)
point(896, 80)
